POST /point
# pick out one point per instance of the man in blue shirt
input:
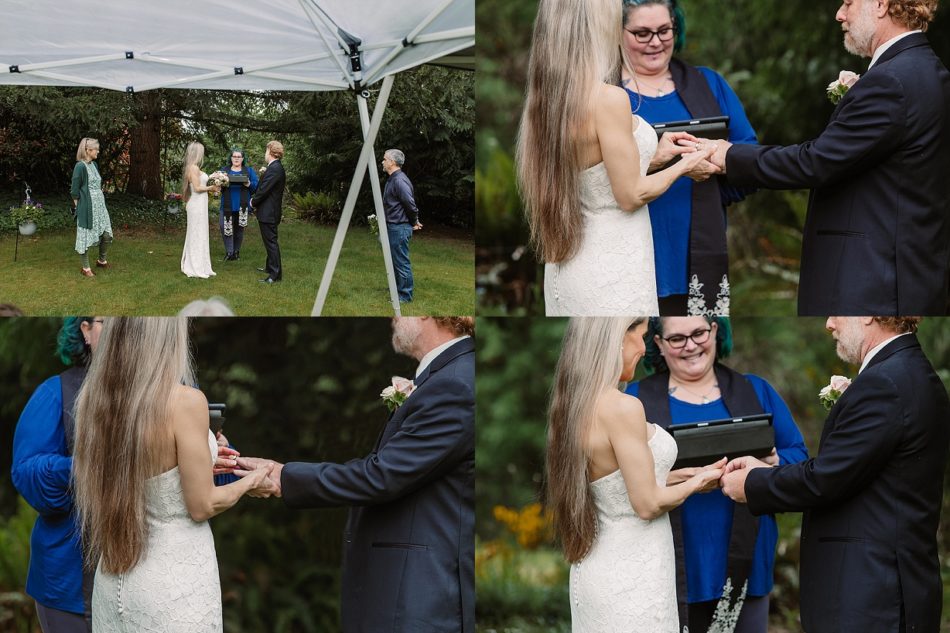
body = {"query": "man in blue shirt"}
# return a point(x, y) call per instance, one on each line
point(402, 218)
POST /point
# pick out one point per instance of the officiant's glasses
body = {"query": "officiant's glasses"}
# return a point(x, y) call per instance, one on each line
point(678, 341)
point(644, 36)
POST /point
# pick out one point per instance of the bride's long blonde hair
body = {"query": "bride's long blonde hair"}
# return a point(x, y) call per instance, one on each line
point(122, 424)
point(591, 362)
point(576, 47)
point(194, 155)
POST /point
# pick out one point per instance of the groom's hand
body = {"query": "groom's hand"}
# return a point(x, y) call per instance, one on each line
point(733, 481)
point(719, 156)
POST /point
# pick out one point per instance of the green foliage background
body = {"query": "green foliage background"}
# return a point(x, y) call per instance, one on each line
point(515, 365)
point(430, 116)
point(296, 389)
point(778, 56)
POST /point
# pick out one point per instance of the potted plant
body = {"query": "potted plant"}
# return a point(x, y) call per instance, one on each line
point(26, 215)
point(174, 202)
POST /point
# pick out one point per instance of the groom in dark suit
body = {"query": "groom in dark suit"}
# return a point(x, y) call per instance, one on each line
point(267, 204)
point(877, 234)
point(872, 496)
point(409, 544)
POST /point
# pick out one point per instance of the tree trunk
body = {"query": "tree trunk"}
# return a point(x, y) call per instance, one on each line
point(145, 167)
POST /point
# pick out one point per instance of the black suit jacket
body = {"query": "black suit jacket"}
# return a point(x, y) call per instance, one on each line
point(871, 500)
point(409, 546)
point(877, 234)
point(270, 194)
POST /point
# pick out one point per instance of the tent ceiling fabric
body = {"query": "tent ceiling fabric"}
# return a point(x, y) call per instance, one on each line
point(278, 45)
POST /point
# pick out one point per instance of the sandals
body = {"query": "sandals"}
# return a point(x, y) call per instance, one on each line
point(86, 272)
point(103, 264)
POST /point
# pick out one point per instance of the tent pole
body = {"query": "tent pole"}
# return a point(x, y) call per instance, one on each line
point(380, 212)
point(361, 165)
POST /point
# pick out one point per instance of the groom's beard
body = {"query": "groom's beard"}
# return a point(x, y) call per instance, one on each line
point(405, 333)
point(860, 34)
point(849, 343)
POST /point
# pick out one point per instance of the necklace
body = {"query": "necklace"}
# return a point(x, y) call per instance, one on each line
point(659, 89)
point(702, 396)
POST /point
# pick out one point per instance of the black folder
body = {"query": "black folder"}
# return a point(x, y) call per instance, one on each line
point(701, 443)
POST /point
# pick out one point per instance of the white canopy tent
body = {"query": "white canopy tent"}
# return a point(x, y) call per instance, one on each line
point(309, 45)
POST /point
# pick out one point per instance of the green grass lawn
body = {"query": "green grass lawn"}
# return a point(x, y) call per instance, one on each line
point(146, 278)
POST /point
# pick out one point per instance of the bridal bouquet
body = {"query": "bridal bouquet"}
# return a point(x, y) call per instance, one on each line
point(218, 179)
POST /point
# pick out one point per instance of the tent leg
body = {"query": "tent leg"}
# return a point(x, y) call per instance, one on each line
point(361, 167)
point(380, 212)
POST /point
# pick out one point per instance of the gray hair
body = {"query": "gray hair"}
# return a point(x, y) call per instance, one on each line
point(396, 156)
point(85, 144)
point(590, 364)
point(213, 307)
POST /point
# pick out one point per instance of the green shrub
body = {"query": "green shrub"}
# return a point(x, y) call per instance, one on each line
point(317, 207)
point(16, 608)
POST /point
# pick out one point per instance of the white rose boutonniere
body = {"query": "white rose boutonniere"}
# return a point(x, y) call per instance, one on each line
point(394, 395)
point(829, 394)
point(841, 85)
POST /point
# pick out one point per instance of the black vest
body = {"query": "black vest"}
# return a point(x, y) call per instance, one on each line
point(740, 399)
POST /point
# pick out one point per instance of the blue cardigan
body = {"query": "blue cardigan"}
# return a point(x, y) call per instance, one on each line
point(707, 518)
point(41, 474)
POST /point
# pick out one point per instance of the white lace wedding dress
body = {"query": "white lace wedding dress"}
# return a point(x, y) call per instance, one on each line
point(196, 258)
point(175, 586)
point(627, 582)
point(613, 273)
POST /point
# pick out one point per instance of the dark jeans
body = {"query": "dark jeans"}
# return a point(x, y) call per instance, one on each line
point(56, 621)
point(232, 243)
point(269, 235)
point(399, 236)
point(754, 617)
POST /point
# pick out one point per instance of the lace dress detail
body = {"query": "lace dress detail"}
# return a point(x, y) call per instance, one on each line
point(175, 586)
point(613, 272)
point(627, 582)
point(196, 257)
point(101, 224)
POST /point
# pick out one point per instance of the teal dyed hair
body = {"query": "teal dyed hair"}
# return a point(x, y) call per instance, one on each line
point(654, 362)
point(71, 347)
point(676, 13)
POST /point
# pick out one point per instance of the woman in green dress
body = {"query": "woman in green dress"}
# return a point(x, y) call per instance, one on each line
point(92, 218)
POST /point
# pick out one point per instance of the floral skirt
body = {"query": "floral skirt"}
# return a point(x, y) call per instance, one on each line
point(101, 224)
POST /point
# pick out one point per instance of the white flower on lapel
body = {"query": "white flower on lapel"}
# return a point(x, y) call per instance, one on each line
point(837, 88)
point(395, 394)
point(829, 394)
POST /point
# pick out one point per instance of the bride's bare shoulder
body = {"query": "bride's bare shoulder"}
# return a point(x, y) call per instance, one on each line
point(188, 403)
point(620, 412)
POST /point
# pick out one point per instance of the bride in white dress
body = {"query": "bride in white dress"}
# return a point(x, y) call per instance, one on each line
point(143, 481)
point(583, 163)
point(606, 480)
point(196, 256)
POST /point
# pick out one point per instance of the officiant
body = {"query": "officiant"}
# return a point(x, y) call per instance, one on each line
point(715, 539)
point(689, 220)
point(235, 203)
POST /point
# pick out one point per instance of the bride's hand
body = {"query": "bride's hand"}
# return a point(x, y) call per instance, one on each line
point(262, 482)
point(670, 147)
point(708, 476)
point(693, 161)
